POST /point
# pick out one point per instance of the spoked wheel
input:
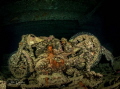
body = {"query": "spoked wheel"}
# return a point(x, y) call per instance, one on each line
point(89, 47)
point(18, 66)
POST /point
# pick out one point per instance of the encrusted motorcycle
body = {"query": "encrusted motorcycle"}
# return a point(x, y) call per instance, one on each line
point(56, 62)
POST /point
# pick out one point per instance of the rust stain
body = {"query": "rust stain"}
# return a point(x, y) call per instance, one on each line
point(46, 80)
point(82, 85)
point(50, 55)
point(54, 64)
point(62, 62)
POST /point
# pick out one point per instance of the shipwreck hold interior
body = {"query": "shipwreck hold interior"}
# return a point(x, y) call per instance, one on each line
point(61, 18)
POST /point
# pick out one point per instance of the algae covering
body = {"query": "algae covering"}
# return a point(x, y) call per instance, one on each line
point(48, 62)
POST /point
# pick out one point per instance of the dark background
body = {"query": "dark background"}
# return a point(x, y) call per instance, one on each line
point(104, 24)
